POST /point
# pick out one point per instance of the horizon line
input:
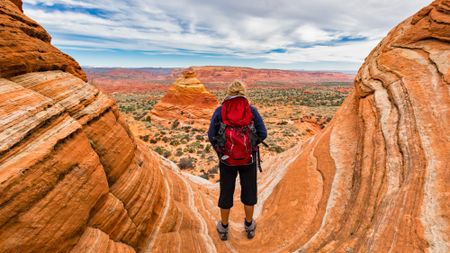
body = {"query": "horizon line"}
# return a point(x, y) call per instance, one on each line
point(226, 66)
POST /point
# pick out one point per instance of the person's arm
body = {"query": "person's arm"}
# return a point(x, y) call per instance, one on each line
point(260, 127)
point(213, 127)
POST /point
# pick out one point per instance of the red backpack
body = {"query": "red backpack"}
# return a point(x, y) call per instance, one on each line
point(236, 142)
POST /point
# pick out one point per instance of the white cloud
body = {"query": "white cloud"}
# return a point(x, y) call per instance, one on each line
point(309, 31)
point(352, 53)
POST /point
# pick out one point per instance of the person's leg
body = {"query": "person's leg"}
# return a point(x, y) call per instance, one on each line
point(249, 213)
point(227, 185)
point(249, 189)
point(249, 192)
point(225, 215)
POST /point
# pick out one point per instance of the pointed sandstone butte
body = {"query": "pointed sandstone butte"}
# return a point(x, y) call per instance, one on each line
point(187, 100)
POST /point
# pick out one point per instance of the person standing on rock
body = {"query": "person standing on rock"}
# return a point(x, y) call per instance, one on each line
point(235, 131)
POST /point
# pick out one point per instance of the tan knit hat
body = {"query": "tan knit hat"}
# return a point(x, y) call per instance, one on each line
point(236, 88)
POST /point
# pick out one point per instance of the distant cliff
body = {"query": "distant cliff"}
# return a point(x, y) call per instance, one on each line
point(214, 77)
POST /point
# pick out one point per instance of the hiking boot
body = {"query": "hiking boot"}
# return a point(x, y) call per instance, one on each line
point(223, 231)
point(250, 229)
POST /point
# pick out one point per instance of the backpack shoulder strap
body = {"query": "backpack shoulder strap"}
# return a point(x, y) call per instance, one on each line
point(219, 122)
point(220, 136)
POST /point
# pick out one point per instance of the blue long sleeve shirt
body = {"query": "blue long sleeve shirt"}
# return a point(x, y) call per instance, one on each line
point(260, 128)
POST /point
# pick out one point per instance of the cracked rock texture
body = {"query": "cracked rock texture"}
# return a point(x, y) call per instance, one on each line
point(377, 179)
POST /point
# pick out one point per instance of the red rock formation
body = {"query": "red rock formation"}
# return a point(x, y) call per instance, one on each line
point(18, 3)
point(214, 77)
point(110, 80)
point(187, 101)
point(71, 173)
point(256, 77)
point(72, 176)
point(25, 45)
point(376, 179)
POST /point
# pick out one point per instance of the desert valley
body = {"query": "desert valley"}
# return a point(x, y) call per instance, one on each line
point(116, 160)
point(295, 105)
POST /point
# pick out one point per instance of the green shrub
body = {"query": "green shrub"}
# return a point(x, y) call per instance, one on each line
point(196, 145)
point(276, 148)
point(205, 176)
point(167, 153)
point(186, 163)
point(162, 151)
point(175, 124)
point(159, 150)
point(186, 128)
point(189, 149)
point(214, 170)
point(174, 143)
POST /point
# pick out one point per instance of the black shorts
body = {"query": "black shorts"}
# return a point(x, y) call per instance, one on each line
point(247, 177)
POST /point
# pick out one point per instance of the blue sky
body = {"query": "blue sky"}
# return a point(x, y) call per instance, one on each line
point(283, 34)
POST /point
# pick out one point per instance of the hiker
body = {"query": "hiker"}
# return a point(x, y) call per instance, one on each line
point(235, 131)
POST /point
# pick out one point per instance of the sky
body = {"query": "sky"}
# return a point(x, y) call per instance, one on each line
point(281, 34)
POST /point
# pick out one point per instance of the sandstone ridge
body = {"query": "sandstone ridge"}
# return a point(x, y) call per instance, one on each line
point(72, 176)
point(26, 45)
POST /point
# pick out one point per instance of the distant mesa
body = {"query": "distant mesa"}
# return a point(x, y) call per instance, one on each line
point(258, 77)
point(187, 101)
point(110, 80)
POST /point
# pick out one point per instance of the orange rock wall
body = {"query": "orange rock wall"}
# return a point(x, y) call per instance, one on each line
point(377, 178)
point(26, 45)
point(72, 176)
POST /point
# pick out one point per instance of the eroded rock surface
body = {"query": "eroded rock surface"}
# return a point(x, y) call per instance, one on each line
point(25, 45)
point(72, 176)
point(377, 179)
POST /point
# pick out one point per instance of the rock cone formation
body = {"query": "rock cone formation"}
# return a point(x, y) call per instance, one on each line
point(376, 179)
point(187, 101)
